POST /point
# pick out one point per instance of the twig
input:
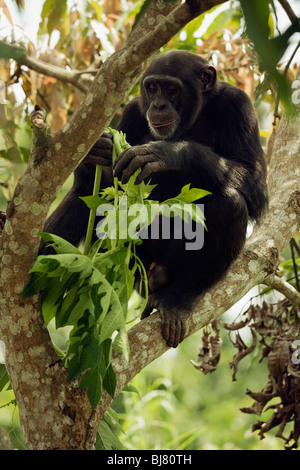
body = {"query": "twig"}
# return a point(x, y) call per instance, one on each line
point(284, 288)
point(294, 247)
point(288, 9)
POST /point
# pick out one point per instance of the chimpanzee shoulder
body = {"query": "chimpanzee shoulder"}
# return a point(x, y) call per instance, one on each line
point(134, 124)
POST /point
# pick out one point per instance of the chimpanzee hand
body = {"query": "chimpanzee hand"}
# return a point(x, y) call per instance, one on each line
point(173, 320)
point(101, 153)
point(150, 157)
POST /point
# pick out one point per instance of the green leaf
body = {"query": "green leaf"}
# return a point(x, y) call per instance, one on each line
point(54, 12)
point(113, 321)
point(86, 351)
point(37, 282)
point(57, 265)
point(192, 27)
point(73, 305)
point(98, 10)
point(130, 388)
point(95, 350)
point(121, 344)
point(120, 286)
point(4, 379)
point(130, 281)
point(92, 202)
point(7, 51)
point(105, 262)
point(109, 193)
point(106, 350)
point(110, 381)
point(77, 360)
point(60, 245)
point(112, 420)
point(192, 195)
point(92, 380)
point(106, 438)
point(227, 19)
point(54, 292)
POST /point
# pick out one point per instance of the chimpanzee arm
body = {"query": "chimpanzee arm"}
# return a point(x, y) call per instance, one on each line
point(201, 166)
point(68, 221)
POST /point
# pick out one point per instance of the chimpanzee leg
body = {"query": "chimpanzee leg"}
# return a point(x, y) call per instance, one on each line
point(191, 272)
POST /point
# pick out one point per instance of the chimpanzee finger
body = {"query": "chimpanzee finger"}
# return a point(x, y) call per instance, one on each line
point(101, 152)
point(168, 329)
point(134, 165)
point(107, 134)
point(173, 329)
point(92, 159)
point(105, 141)
point(148, 170)
point(123, 160)
point(182, 330)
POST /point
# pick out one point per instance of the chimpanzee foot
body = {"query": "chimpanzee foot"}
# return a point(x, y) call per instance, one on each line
point(173, 321)
point(174, 326)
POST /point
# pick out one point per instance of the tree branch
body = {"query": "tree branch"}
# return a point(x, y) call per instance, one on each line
point(22, 58)
point(288, 9)
point(67, 76)
point(284, 288)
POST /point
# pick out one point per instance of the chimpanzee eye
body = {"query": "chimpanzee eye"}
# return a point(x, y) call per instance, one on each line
point(172, 89)
point(152, 88)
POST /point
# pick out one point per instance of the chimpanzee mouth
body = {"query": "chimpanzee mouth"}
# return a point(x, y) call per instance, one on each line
point(163, 130)
point(163, 124)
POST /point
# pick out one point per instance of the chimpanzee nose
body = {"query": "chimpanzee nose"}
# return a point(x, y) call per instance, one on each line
point(159, 104)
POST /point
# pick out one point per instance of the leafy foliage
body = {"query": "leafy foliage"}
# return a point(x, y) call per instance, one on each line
point(107, 436)
point(270, 50)
point(90, 291)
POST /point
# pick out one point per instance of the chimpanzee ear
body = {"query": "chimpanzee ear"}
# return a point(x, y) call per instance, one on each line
point(208, 78)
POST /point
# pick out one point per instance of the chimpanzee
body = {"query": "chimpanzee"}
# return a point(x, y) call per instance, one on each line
point(185, 127)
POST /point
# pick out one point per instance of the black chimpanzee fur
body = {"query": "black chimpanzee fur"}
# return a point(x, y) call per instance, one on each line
point(186, 127)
